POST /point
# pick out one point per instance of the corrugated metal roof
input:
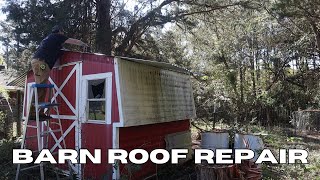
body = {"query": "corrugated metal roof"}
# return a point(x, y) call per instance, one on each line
point(19, 81)
point(6, 77)
point(162, 65)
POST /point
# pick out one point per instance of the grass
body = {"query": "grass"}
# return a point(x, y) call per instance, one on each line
point(284, 138)
point(274, 139)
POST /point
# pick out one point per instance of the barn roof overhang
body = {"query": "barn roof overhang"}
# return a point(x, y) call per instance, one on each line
point(161, 65)
point(157, 64)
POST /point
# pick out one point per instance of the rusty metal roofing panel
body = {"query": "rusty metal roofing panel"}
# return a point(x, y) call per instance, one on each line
point(19, 81)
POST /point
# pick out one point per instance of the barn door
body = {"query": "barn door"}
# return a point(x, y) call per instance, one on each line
point(66, 81)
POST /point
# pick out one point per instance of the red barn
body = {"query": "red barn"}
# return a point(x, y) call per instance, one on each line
point(116, 102)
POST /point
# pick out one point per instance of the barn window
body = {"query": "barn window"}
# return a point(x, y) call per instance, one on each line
point(96, 99)
point(96, 104)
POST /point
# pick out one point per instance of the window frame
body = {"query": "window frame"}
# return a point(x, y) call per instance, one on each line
point(107, 99)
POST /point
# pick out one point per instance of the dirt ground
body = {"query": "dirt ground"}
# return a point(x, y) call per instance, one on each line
point(277, 138)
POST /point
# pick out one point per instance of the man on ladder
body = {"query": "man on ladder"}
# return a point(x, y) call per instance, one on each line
point(43, 61)
point(46, 56)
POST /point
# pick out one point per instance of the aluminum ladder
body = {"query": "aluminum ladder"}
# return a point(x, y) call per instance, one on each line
point(40, 133)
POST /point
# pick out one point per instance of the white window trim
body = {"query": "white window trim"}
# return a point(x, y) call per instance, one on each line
point(108, 97)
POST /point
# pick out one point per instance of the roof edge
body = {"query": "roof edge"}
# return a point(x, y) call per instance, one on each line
point(165, 65)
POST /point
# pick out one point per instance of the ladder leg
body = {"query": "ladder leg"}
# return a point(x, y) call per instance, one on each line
point(25, 130)
point(38, 131)
point(61, 131)
point(41, 141)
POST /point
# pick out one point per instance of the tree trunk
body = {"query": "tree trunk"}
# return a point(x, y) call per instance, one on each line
point(252, 69)
point(18, 120)
point(104, 32)
point(241, 83)
point(316, 33)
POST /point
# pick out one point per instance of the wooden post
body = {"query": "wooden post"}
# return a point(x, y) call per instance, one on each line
point(19, 113)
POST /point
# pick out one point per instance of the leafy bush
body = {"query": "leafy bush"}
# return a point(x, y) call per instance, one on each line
point(2, 123)
point(7, 169)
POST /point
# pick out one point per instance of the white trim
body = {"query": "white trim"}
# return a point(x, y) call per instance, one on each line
point(68, 64)
point(108, 97)
point(101, 99)
point(27, 95)
point(78, 143)
point(63, 136)
point(115, 127)
point(96, 121)
point(115, 145)
point(118, 88)
point(64, 117)
point(97, 76)
point(24, 97)
point(74, 109)
point(82, 108)
point(59, 90)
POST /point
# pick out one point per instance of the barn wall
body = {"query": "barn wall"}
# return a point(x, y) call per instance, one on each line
point(153, 95)
point(148, 137)
point(170, 99)
point(93, 136)
point(99, 136)
point(95, 64)
point(58, 76)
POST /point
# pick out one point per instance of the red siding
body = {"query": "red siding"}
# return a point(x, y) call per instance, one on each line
point(99, 136)
point(69, 90)
point(94, 64)
point(148, 137)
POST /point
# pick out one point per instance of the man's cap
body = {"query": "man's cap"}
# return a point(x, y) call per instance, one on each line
point(56, 29)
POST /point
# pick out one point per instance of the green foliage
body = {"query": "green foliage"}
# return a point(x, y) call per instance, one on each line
point(7, 169)
point(276, 139)
point(255, 60)
point(2, 122)
point(2, 62)
point(4, 92)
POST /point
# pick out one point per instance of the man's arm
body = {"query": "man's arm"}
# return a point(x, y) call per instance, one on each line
point(75, 42)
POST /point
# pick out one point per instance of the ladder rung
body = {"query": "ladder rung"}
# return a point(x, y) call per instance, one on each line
point(47, 132)
point(46, 104)
point(31, 126)
point(56, 123)
point(42, 86)
point(30, 167)
point(43, 134)
point(41, 118)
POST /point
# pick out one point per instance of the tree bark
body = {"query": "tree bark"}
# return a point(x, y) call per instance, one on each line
point(104, 31)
